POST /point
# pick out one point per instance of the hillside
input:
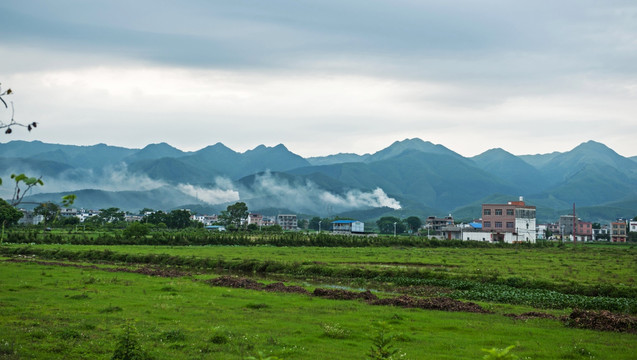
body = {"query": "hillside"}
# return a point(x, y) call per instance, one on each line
point(411, 176)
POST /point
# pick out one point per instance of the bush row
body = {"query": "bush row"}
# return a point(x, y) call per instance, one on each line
point(511, 290)
point(290, 239)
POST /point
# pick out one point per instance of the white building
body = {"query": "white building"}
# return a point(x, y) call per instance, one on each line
point(348, 227)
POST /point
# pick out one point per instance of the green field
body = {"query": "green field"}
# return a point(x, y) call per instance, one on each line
point(51, 311)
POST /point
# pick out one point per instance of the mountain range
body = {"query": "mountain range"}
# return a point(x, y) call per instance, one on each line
point(410, 177)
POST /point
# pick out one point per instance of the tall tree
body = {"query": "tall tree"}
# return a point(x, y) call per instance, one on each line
point(413, 223)
point(8, 216)
point(234, 214)
point(48, 210)
point(387, 225)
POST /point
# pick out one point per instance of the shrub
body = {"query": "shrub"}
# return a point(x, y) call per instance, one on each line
point(128, 347)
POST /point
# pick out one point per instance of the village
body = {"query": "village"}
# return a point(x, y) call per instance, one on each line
point(511, 222)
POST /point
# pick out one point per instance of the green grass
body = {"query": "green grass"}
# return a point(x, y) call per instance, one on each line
point(51, 312)
point(555, 265)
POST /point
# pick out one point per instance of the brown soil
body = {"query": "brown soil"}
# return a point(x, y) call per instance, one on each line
point(236, 282)
point(601, 320)
point(438, 303)
point(531, 315)
point(280, 287)
point(339, 294)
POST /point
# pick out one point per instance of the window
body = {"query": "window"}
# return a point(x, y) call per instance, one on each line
point(487, 211)
point(510, 225)
point(498, 224)
point(487, 224)
point(498, 211)
point(509, 212)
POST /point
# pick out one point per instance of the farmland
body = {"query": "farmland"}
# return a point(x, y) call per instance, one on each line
point(78, 311)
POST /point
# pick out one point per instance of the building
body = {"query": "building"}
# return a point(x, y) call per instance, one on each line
point(435, 225)
point(30, 218)
point(618, 231)
point(541, 230)
point(287, 221)
point(632, 226)
point(601, 234)
point(206, 220)
point(510, 222)
point(348, 227)
point(256, 219)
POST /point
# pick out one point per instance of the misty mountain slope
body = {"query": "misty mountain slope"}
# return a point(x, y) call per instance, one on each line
point(538, 160)
point(435, 180)
point(160, 198)
point(337, 159)
point(217, 157)
point(25, 149)
point(255, 181)
point(595, 184)
point(173, 171)
point(221, 159)
point(154, 152)
point(512, 170)
point(31, 167)
point(277, 158)
point(590, 153)
point(399, 147)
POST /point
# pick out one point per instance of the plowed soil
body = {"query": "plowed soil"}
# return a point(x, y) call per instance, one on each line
point(601, 320)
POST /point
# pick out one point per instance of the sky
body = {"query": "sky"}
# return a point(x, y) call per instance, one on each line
point(323, 77)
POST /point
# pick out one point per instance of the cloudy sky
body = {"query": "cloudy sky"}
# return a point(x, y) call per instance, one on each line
point(325, 76)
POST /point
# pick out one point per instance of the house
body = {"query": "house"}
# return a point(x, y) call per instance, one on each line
point(435, 225)
point(511, 222)
point(618, 231)
point(632, 226)
point(256, 219)
point(348, 227)
point(287, 221)
point(601, 234)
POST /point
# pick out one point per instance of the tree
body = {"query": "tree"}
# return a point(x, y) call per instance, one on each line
point(8, 216)
point(314, 223)
point(111, 214)
point(234, 214)
point(387, 225)
point(22, 180)
point(48, 210)
point(303, 223)
point(136, 230)
point(178, 219)
point(12, 121)
point(413, 223)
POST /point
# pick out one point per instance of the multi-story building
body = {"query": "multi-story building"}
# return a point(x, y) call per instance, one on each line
point(514, 218)
point(256, 219)
point(601, 234)
point(348, 227)
point(632, 226)
point(583, 230)
point(435, 225)
point(287, 221)
point(618, 231)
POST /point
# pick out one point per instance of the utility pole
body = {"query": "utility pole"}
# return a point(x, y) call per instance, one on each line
point(395, 228)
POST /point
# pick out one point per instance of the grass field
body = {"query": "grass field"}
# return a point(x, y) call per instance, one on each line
point(51, 311)
point(589, 265)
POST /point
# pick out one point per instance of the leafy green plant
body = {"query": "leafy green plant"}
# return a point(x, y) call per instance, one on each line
point(495, 353)
point(128, 347)
point(382, 344)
